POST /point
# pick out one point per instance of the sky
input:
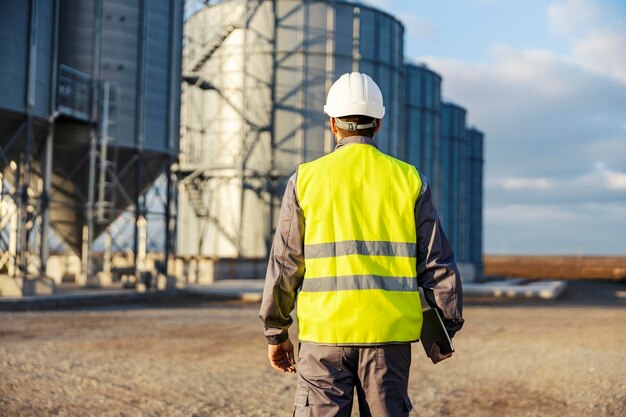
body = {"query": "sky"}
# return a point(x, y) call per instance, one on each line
point(546, 82)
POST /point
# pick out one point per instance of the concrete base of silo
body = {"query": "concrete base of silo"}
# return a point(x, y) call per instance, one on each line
point(103, 279)
point(63, 268)
point(17, 287)
point(206, 270)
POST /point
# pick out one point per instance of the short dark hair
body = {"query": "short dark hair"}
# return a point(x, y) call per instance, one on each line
point(360, 120)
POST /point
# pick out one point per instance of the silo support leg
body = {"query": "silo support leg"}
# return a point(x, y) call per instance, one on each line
point(12, 266)
point(104, 277)
point(84, 258)
point(45, 202)
point(144, 277)
point(88, 278)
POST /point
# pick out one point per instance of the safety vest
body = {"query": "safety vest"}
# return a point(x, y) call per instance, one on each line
point(360, 283)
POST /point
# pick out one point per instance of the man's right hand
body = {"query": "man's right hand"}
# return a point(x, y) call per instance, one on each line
point(436, 355)
point(281, 357)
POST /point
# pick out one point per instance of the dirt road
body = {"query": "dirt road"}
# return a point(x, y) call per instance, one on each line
point(565, 358)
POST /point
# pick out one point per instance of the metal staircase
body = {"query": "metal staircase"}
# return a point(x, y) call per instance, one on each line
point(201, 179)
point(198, 81)
point(195, 191)
point(224, 32)
point(212, 47)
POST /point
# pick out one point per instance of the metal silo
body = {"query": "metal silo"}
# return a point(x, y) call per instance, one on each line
point(380, 53)
point(26, 44)
point(464, 200)
point(27, 74)
point(475, 140)
point(119, 86)
point(257, 74)
point(422, 118)
point(448, 172)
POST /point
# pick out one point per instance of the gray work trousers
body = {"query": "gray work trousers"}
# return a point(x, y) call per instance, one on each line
point(328, 376)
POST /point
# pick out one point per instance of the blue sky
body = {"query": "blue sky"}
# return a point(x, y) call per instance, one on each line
point(546, 82)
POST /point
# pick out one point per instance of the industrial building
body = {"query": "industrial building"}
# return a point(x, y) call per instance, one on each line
point(123, 129)
point(256, 74)
point(89, 116)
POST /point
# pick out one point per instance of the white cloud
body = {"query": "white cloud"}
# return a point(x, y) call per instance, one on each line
point(588, 228)
point(569, 17)
point(418, 27)
point(596, 33)
point(544, 115)
point(521, 183)
point(613, 180)
point(525, 214)
point(555, 134)
point(599, 179)
point(617, 181)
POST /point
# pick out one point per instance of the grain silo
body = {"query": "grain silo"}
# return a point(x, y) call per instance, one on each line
point(100, 80)
point(131, 46)
point(475, 139)
point(26, 43)
point(112, 146)
point(27, 74)
point(449, 170)
point(464, 219)
point(257, 74)
point(423, 118)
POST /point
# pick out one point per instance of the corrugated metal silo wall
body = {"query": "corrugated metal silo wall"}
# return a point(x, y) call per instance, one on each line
point(464, 200)
point(475, 142)
point(381, 49)
point(135, 46)
point(423, 119)
point(448, 173)
point(45, 32)
point(135, 56)
point(294, 50)
point(317, 42)
point(76, 34)
point(15, 32)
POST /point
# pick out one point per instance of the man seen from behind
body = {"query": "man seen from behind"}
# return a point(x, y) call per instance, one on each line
point(356, 237)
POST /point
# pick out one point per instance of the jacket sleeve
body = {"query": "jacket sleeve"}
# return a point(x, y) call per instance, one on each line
point(285, 269)
point(437, 272)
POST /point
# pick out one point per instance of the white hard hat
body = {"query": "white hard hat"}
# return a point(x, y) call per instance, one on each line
point(354, 94)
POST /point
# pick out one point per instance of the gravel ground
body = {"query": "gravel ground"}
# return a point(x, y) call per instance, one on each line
point(564, 358)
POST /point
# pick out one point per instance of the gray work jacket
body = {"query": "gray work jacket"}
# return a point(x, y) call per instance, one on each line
point(437, 273)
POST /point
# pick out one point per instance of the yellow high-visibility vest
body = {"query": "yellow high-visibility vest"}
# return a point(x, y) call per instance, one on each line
point(360, 284)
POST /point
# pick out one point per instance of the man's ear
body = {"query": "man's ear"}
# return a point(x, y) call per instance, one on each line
point(379, 122)
point(333, 127)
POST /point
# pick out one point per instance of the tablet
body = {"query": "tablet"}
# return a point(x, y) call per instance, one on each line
point(433, 331)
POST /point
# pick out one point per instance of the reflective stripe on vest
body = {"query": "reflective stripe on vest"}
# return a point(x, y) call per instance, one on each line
point(360, 284)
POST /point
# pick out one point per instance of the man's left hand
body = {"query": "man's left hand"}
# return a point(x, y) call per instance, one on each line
point(436, 355)
point(281, 357)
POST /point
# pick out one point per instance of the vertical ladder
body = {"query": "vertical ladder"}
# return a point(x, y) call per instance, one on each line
point(107, 126)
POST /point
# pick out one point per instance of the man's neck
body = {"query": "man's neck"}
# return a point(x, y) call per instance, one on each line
point(349, 140)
